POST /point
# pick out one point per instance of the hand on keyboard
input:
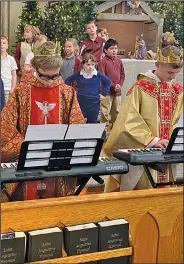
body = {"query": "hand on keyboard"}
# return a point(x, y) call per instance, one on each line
point(162, 143)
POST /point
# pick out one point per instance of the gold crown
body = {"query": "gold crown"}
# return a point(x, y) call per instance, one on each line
point(48, 48)
point(172, 58)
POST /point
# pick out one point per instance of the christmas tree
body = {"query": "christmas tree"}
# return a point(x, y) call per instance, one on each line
point(32, 15)
point(67, 19)
point(173, 12)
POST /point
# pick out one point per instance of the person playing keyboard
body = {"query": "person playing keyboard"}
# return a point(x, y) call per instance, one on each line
point(41, 98)
point(149, 113)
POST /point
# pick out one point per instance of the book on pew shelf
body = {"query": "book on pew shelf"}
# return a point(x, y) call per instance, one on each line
point(45, 244)
point(81, 239)
point(113, 234)
point(13, 247)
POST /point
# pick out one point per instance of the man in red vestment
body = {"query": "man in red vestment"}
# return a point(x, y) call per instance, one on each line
point(43, 87)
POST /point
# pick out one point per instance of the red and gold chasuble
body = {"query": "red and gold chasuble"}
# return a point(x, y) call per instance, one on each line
point(167, 100)
point(44, 110)
point(32, 103)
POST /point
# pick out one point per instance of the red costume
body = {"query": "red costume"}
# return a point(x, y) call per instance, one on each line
point(23, 108)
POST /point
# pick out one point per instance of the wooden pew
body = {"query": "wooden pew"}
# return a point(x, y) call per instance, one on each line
point(155, 217)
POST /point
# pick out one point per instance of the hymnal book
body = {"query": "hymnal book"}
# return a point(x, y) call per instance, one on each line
point(113, 234)
point(13, 247)
point(81, 239)
point(45, 244)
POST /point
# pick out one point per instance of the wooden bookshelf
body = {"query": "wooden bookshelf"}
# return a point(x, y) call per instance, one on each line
point(155, 217)
point(89, 257)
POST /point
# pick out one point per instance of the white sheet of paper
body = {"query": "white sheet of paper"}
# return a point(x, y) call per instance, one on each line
point(180, 122)
point(82, 131)
point(79, 160)
point(45, 132)
point(37, 146)
point(178, 144)
point(85, 144)
point(83, 152)
point(177, 147)
point(38, 154)
point(35, 163)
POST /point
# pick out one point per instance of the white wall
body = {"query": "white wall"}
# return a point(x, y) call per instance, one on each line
point(134, 67)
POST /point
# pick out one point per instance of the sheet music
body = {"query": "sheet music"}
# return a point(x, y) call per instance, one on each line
point(50, 132)
point(46, 132)
point(82, 131)
point(178, 144)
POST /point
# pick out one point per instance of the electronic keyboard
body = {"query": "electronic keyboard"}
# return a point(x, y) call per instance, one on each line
point(148, 156)
point(105, 166)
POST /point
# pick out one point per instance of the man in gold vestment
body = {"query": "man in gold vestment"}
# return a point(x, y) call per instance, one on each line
point(44, 87)
point(147, 118)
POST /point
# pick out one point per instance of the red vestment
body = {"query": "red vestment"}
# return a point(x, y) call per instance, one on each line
point(32, 103)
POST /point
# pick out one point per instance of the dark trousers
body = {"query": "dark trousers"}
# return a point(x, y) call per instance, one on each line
point(90, 108)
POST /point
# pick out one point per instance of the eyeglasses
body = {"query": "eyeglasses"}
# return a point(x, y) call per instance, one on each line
point(46, 77)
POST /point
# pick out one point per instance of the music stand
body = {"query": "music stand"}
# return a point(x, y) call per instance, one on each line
point(55, 155)
point(175, 147)
point(59, 154)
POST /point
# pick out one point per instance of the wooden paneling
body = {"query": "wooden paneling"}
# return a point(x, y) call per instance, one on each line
point(89, 257)
point(151, 26)
point(124, 32)
point(109, 10)
point(150, 35)
point(171, 247)
point(123, 17)
point(146, 228)
point(155, 218)
point(118, 8)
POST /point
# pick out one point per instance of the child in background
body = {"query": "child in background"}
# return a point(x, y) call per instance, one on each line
point(24, 47)
point(94, 44)
point(112, 67)
point(39, 40)
point(89, 87)
point(2, 94)
point(8, 68)
point(70, 63)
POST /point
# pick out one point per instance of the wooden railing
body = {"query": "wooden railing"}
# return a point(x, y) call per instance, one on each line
point(155, 217)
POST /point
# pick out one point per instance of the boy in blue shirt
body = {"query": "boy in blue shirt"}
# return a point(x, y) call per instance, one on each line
point(90, 84)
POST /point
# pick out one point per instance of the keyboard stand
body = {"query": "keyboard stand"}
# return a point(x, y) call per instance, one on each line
point(4, 191)
point(148, 173)
point(179, 181)
point(64, 148)
point(84, 181)
point(176, 144)
point(60, 157)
